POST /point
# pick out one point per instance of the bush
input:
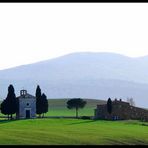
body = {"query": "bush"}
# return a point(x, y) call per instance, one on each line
point(85, 117)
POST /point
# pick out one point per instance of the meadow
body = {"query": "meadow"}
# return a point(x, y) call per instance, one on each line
point(63, 131)
point(72, 132)
point(57, 107)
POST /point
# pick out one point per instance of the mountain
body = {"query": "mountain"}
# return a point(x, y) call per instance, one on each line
point(88, 75)
point(83, 65)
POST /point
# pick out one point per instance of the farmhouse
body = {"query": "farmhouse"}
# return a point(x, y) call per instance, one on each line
point(121, 110)
point(27, 105)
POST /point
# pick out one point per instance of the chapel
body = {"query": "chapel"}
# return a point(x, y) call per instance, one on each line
point(27, 105)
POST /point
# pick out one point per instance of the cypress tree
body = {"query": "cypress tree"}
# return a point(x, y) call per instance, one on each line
point(9, 106)
point(44, 104)
point(109, 105)
point(4, 108)
point(38, 101)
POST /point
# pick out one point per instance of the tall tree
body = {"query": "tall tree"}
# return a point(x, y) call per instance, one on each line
point(109, 105)
point(38, 101)
point(76, 103)
point(12, 100)
point(38, 92)
point(10, 105)
point(44, 104)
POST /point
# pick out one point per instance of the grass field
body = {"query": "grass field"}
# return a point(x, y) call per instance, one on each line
point(72, 132)
point(57, 107)
point(47, 131)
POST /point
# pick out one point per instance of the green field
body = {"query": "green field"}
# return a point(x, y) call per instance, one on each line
point(73, 132)
point(57, 107)
point(62, 131)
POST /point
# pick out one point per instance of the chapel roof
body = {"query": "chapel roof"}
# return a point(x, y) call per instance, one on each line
point(24, 94)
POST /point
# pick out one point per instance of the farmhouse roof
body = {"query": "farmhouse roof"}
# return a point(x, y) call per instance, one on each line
point(114, 102)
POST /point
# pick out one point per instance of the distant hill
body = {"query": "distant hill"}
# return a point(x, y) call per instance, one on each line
point(85, 65)
point(85, 75)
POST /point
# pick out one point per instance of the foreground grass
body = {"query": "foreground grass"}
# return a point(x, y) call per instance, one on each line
point(73, 132)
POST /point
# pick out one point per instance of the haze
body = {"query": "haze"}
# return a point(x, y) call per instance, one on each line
point(31, 32)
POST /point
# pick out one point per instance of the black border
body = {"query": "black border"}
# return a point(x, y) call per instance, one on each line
point(73, 1)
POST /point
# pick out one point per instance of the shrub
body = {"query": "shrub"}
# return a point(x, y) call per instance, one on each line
point(85, 117)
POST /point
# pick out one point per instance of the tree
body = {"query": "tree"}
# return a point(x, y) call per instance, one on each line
point(44, 104)
point(4, 108)
point(131, 101)
point(76, 103)
point(9, 106)
point(109, 105)
point(38, 101)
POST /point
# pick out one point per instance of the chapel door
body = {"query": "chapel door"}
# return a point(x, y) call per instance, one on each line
point(27, 113)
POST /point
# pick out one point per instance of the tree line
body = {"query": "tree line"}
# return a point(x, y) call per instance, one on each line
point(10, 105)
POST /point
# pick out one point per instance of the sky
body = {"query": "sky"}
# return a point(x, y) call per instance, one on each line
point(31, 32)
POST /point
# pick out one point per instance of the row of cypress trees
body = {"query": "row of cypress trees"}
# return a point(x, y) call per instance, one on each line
point(10, 105)
point(41, 102)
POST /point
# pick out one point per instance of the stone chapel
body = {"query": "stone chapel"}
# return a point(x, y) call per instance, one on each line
point(27, 105)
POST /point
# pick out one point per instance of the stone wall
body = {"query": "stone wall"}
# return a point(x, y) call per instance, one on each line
point(27, 104)
point(121, 110)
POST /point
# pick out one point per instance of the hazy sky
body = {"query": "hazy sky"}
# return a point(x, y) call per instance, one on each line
point(31, 32)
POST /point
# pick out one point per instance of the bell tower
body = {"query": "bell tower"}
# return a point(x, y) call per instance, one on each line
point(23, 92)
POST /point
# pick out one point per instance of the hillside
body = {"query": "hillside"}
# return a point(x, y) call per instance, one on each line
point(82, 65)
point(72, 132)
point(61, 103)
point(58, 107)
